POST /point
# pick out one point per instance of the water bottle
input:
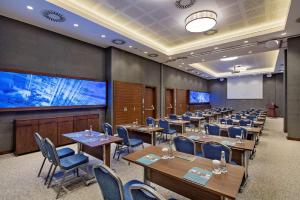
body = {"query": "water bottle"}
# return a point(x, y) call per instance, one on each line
point(223, 163)
point(171, 149)
point(106, 133)
point(242, 136)
point(91, 129)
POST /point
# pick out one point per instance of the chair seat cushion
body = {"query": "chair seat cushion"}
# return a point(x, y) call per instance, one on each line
point(199, 154)
point(135, 142)
point(73, 161)
point(65, 152)
point(126, 188)
point(171, 131)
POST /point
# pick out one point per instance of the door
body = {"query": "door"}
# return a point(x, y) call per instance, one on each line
point(149, 102)
point(181, 101)
point(169, 102)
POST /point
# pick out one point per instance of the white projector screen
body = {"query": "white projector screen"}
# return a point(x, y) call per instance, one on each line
point(246, 87)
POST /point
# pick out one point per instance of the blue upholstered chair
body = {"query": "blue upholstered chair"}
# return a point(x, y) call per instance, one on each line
point(222, 121)
point(237, 116)
point(213, 150)
point(235, 130)
point(212, 129)
point(111, 185)
point(186, 145)
point(107, 128)
point(188, 113)
point(251, 117)
point(127, 143)
point(229, 121)
point(245, 122)
point(189, 125)
point(199, 114)
point(62, 153)
point(149, 121)
point(66, 164)
point(173, 117)
point(144, 192)
point(166, 126)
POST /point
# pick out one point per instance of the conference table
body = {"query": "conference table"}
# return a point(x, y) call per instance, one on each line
point(146, 133)
point(197, 120)
point(240, 151)
point(170, 173)
point(177, 122)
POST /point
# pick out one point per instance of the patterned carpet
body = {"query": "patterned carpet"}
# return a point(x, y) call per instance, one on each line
point(273, 174)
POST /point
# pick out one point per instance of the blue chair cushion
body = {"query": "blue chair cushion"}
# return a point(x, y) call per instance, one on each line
point(126, 188)
point(135, 142)
point(65, 152)
point(73, 161)
point(199, 154)
point(171, 131)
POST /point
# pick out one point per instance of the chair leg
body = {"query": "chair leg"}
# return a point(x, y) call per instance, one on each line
point(61, 184)
point(143, 145)
point(48, 174)
point(51, 177)
point(77, 172)
point(41, 167)
point(115, 151)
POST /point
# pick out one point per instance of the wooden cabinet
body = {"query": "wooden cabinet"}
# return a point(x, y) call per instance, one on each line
point(52, 128)
point(24, 139)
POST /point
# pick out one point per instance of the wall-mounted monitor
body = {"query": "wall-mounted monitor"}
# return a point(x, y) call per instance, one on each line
point(196, 97)
point(29, 91)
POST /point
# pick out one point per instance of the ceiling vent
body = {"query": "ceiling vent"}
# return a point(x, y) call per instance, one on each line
point(272, 44)
point(118, 41)
point(53, 16)
point(183, 4)
point(153, 55)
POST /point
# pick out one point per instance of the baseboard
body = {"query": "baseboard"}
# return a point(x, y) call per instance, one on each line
point(5, 152)
point(292, 138)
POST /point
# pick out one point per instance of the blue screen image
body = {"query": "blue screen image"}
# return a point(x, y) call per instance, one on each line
point(19, 90)
point(198, 97)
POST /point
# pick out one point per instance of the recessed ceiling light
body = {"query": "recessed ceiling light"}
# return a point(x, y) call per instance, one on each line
point(130, 46)
point(249, 51)
point(103, 36)
point(216, 48)
point(224, 56)
point(145, 52)
point(153, 55)
point(182, 63)
point(75, 25)
point(246, 41)
point(29, 7)
point(229, 58)
point(283, 33)
point(203, 60)
point(192, 53)
point(118, 41)
point(201, 21)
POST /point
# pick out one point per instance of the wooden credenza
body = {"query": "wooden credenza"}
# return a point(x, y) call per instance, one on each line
point(52, 128)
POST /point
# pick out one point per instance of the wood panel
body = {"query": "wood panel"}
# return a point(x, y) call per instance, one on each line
point(150, 107)
point(81, 123)
point(193, 108)
point(93, 120)
point(169, 101)
point(48, 129)
point(181, 101)
point(24, 140)
point(127, 102)
point(64, 125)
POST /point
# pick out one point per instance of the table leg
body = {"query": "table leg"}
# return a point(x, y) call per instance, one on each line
point(183, 129)
point(106, 154)
point(146, 175)
point(79, 147)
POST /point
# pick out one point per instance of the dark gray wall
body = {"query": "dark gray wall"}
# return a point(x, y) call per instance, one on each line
point(293, 90)
point(273, 91)
point(24, 47)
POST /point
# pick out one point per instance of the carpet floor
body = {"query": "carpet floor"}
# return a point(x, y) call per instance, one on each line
point(274, 173)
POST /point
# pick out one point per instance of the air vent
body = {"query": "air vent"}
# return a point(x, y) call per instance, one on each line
point(176, 59)
point(53, 16)
point(152, 55)
point(183, 4)
point(211, 32)
point(118, 41)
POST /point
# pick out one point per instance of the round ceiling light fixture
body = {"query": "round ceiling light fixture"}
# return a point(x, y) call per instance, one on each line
point(201, 21)
point(53, 16)
point(118, 41)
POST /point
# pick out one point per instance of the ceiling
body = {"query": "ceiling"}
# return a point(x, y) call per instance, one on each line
point(156, 28)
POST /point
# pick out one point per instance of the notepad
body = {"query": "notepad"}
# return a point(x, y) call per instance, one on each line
point(193, 137)
point(198, 175)
point(148, 159)
point(228, 143)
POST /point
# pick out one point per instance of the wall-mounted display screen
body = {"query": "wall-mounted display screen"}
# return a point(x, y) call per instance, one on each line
point(20, 90)
point(196, 97)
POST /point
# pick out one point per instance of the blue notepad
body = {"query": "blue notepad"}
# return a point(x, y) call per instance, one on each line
point(193, 137)
point(198, 175)
point(148, 159)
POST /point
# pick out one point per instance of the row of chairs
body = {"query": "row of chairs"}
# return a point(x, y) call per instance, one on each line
point(242, 122)
point(213, 129)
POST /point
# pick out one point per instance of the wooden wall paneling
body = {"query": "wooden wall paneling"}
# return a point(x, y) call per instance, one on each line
point(202, 107)
point(181, 101)
point(150, 106)
point(48, 129)
point(81, 123)
point(24, 140)
point(169, 101)
point(64, 125)
point(93, 120)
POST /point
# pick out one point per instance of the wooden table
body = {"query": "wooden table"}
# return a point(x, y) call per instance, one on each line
point(145, 133)
point(169, 174)
point(94, 143)
point(255, 123)
point(177, 122)
point(240, 151)
point(197, 119)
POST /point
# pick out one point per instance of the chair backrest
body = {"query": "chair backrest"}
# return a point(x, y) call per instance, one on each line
point(110, 184)
point(223, 121)
point(237, 116)
point(245, 122)
point(185, 145)
point(235, 130)
point(213, 150)
point(52, 153)
point(186, 117)
point(144, 192)
point(164, 124)
point(173, 117)
point(107, 128)
point(41, 144)
point(251, 117)
point(150, 120)
point(199, 114)
point(188, 113)
point(212, 129)
point(123, 133)
point(229, 121)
